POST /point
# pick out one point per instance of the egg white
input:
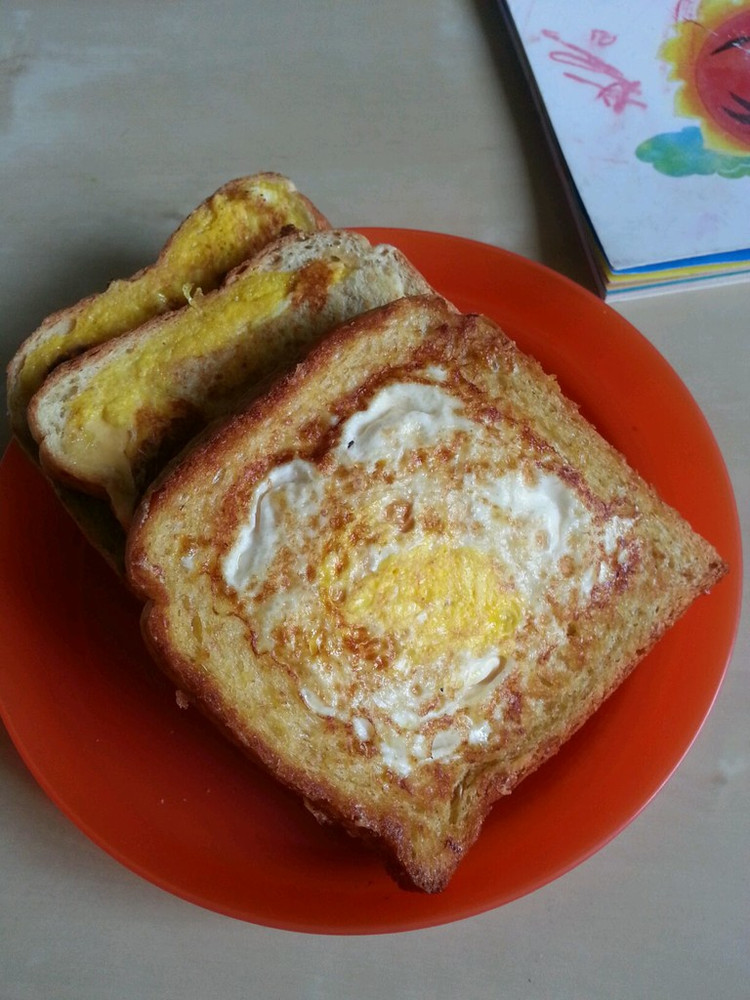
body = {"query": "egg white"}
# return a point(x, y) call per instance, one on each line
point(416, 686)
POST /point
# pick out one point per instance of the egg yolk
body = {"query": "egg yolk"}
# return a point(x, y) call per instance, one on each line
point(436, 598)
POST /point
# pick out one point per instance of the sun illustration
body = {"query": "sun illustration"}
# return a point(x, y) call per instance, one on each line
point(709, 54)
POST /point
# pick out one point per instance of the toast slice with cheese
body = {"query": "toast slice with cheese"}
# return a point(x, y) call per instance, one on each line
point(235, 223)
point(406, 575)
point(106, 422)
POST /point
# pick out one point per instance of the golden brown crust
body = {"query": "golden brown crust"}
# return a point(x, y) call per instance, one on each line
point(607, 569)
point(213, 253)
point(180, 371)
point(227, 252)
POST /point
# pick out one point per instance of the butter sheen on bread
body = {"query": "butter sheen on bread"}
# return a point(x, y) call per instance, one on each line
point(403, 577)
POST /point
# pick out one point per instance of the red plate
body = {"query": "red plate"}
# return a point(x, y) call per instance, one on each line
point(158, 789)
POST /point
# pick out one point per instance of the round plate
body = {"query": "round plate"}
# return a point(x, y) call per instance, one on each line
point(167, 796)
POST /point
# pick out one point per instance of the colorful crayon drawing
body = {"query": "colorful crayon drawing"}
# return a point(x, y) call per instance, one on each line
point(708, 54)
point(612, 86)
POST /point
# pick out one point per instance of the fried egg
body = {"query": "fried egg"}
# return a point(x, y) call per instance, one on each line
point(404, 576)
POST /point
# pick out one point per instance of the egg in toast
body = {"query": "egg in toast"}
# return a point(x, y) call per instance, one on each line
point(406, 575)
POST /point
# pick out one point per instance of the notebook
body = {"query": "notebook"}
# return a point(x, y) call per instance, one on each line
point(647, 107)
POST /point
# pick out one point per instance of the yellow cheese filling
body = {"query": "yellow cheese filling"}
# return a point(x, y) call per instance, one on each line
point(143, 377)
point(216, 237)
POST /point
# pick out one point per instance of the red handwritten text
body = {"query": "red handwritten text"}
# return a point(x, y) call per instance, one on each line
point(613, 88)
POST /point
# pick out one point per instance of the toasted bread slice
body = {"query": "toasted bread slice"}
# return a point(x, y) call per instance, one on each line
point(233, 224)
point(406, 575)
point(106, 422)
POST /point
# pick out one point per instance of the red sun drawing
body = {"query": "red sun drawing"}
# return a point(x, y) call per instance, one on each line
point(710, 55)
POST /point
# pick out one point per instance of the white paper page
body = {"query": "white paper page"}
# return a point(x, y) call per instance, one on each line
point(659, 182)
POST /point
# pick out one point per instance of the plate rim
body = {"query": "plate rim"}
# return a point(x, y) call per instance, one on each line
point(590, 302)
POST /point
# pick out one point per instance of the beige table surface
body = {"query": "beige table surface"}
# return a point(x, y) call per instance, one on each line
point(115, 119)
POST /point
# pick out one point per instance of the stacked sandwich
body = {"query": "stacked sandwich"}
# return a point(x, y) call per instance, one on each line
point(374, 541)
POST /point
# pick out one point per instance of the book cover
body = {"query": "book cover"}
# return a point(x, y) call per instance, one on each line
point(647, 103)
